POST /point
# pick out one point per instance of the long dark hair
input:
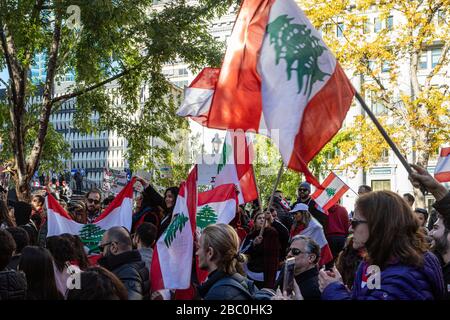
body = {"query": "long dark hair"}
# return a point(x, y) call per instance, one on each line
point(394, 229)
point(37, 263)
point(79, 254)
point(4, 215)
point(61, 250)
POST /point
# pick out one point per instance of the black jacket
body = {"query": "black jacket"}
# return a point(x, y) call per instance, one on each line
point(130, 269)
point(13, 285)
point(308, 283)
point(222, 292)
point(443, 207)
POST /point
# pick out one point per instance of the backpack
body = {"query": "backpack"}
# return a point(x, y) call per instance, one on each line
point(247, 287)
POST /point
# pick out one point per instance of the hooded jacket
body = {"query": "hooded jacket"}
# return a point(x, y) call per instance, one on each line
point(397, 282)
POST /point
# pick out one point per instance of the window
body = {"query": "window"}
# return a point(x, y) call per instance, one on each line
point(390, 22)
point(423, 61)
point(385, 66)
point(378, 185)
point(340, 30)
point(435, 56)
point(384, 156)
point(440, 17)
point(376, 25)
point(366, 26)
point(182, 72)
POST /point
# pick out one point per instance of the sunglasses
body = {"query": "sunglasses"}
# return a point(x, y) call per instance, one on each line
point(356, 223)
point(93, 201)
point(303, 190)
point(295, 251)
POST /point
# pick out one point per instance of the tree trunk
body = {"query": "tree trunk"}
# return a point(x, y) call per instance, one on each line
point(422, 160)
point(23, 188)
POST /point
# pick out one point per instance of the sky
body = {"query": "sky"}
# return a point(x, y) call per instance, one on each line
point(3, 76)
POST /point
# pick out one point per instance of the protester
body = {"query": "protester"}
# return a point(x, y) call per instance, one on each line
point(307, 255)
point(282, 209)
point(348, 261)
point(218, 253)
point(80, 257)
point(37, 205)
point(283, 232)
point(304, 196)
point(145, 213)
point(97, 283)
point(125, 263)
point(422, 215)
point(409, 198)
point(22, 240)
point(305, 224)
point(144, 240)
point(362, 189)
point(441, 228)
point(387, 227)
point(77, 210)
point(337, 229)
point(107, 201)
point(93, 207)
point(62, 252)
point(37, 264)
point(5, 219)
point(263, 252)
point(13, 285)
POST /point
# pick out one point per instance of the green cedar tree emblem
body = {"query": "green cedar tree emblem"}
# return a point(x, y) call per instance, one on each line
point(205, 217)
point(301, 50)
point(177, 224)
point(330, 191)
point(91, 235)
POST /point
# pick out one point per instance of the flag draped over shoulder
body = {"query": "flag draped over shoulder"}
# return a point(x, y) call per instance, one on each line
point(236, 166)
point(279, 75)
point(334, 190)
point(118, 213)
point(442, 170)
point(172, 259)
point(315, 231)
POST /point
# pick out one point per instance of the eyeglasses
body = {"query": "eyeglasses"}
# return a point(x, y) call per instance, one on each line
point(295, 251)
point(356, 223)
point(103, 246)
point(93, 201)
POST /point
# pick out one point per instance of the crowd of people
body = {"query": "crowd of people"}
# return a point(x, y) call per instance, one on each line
point(383, 250)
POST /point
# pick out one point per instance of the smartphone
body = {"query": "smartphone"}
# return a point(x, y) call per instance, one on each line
point(288, 279)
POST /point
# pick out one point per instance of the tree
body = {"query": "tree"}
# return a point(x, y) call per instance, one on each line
point(122, 44)
point(412, 98)
point(205, 217)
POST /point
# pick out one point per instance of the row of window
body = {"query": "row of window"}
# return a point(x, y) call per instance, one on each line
point(429, 58)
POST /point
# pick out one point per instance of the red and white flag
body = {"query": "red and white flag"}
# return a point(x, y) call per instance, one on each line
point(442, 170)
point(279, 75)
point(315, 231)
point(172, 259)
point(218, 205)
point(198, 96)
point(334, 189)
point(118, 213)
point(236, 166)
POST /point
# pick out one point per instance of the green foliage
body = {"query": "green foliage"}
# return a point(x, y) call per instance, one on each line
point(177, 224)
point(205, 217)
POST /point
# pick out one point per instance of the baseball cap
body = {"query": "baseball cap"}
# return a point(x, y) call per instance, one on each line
point(300, 207)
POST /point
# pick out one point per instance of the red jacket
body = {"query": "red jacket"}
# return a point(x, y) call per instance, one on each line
point(338, 222)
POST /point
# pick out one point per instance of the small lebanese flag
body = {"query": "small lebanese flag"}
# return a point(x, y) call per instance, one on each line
point(118, 213)
point(218, 205)
point(236, 166)
point(198, 96)
point(334, 190)
point(279, 75)
point(442, 171)
point(172, 259)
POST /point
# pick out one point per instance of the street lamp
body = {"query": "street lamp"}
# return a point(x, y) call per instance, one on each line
point(216, 142)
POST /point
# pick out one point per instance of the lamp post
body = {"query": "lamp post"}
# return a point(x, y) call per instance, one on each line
point(216, 142)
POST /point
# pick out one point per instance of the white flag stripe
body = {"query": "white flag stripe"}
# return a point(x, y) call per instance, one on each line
point(197, 102)
point(57, 224)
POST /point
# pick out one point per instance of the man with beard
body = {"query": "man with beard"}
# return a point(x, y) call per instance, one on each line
point(441, 228)
point(304, 196)
point(93, 205)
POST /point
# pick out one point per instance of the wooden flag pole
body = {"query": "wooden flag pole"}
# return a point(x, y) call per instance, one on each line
point(280, 172)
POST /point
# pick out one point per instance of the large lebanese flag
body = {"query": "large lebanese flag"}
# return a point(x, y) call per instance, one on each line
point(442, 170)
point(279, 75)
point(236, 166)
point(198, 96)
point(334, 189)
point(118, 213)
point(172, 259)
point(315, 231)
point(218, 205)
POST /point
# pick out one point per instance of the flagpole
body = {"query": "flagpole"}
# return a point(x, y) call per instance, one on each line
point(280, 172)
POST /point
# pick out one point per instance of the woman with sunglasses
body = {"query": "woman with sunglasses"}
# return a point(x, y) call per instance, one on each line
point(398, 265)
point(263, 251)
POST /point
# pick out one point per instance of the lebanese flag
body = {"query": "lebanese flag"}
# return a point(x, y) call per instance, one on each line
point(315, 231)
point(172, 259)
point(442, 170)
point(279, 75)
point(334, 190)
point(236, 166)
point(218, 205)
point(118, 213)
point(198, 96)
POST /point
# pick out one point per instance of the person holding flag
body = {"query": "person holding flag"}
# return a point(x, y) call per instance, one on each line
point(304, 196)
